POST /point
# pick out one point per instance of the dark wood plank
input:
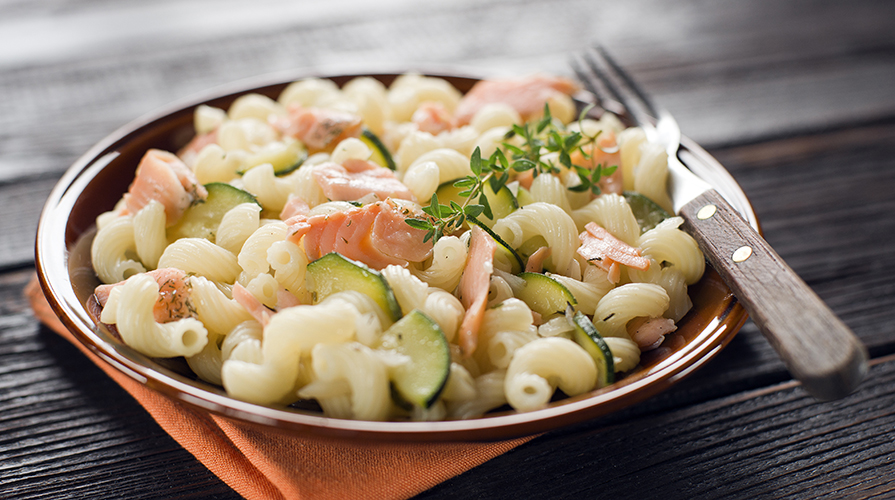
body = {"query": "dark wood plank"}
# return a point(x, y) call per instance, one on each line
point(67, 430)
point(776, 442)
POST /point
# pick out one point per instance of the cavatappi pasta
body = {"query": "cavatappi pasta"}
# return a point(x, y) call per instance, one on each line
point(220, 253)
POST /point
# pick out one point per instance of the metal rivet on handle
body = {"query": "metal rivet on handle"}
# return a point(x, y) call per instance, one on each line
point(706, 212)
point(742, 254)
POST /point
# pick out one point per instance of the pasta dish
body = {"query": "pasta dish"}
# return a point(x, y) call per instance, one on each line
point(401, 252)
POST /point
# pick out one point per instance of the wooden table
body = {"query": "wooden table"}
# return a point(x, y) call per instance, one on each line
point(795, 98)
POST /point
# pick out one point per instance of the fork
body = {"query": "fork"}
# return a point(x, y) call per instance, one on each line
point(818, 349)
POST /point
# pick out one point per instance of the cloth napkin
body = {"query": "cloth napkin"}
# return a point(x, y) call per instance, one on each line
point(271, 465)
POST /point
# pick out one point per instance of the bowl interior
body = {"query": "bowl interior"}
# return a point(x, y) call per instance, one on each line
point(97, 180)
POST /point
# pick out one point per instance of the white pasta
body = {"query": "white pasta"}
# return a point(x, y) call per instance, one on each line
point(444, 309)
point(587, 293)
point(272, 192)
point(547, 221)
point(448, 261)
point(200, 256)
point(305, 186)
point(289, 263)
point(245, 134)
point(495, 115)
point(413, 145)
point(130, 308)
point(149, 233)
point(449, 165)
point(255, 106)
point(409, 90)
point(213, 164)
point(651, 175)
point(237, 225)
point(364, 373)
point(310, 92)
point(625, 353)
point(207, 118)
point(245, 336)
point(630, 142)
point(410, 292)
point(490, 394)
point(254, 254)
point(542, 365)
point(612, 213)
point(264, 288)
point(626, 302)
point(112, 249)
point(667, 243)
point(369, 95)
point(220, 314)
point(207, 363)
point(672, 280)
point(550, 189)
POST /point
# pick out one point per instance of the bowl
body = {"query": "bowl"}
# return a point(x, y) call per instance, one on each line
point(97, 180)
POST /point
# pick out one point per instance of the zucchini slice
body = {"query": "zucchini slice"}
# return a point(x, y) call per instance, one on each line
point(334, 273)
point(381, 155)
point(421, 379)
point(285, 158)
point(586, 336)
point(202, 219)
point(543, 294)
point(647, 212)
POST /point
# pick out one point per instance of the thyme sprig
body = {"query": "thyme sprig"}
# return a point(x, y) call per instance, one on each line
point(542, 143)
point(446, 219)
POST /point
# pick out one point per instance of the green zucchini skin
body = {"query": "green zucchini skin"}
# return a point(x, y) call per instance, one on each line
point(202, 219)
point(335, 273)
point(586, 335)
point(419, 338)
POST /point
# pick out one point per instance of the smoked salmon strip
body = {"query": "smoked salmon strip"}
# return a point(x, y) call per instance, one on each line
point(174, 293)
point(163, 177)
point(474, 285)
point(318, 128)
point(354, 179)
point(375, 234)
point(526, 95)
point(599, 247)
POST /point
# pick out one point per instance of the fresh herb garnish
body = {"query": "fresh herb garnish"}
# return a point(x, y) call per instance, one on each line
point(542, 144)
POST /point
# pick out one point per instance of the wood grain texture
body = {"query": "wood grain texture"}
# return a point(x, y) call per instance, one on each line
point(776, 442)
point(817, 347)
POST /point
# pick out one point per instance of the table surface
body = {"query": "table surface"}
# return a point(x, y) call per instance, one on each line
point(795, 98)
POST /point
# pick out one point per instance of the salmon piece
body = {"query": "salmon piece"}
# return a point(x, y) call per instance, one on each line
point(474, 285)
point(599, 247)
point(375, 234)
point(526, 95)
point(174, 293)
point(319, 129)
point(356, 178)
point(649, 333)
point(605, 152)
point(295, 206)
point(189, 152)
point(432, 117)
point(536, 260)
point(251, 304)
point(163, 177)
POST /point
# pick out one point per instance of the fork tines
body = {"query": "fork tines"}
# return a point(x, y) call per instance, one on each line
point(613, 89)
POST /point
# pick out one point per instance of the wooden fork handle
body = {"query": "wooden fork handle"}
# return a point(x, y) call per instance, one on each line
point(818, 348)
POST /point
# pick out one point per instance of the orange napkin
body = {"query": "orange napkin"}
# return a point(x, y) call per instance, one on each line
point(271, 465)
